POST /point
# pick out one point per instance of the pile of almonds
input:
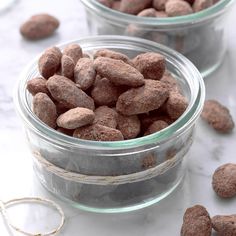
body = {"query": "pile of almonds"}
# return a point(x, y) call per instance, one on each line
point(158, 8)
point(109, 97)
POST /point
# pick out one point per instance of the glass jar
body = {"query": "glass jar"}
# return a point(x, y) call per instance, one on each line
point(201, 36)
point(114, 176)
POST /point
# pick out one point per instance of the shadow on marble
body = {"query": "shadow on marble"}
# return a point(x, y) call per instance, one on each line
point(139, 223)
point(40, 45)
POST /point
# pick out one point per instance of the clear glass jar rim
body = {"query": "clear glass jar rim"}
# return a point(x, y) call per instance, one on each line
point(185, 121)
point(211, 12)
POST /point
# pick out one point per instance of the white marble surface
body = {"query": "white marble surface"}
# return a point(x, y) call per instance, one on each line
point(17, 178)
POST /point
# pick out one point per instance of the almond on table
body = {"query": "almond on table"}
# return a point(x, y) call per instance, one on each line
point(39, 26)
point(196, 221)
point(224, 180)
point(225, 225)
point(218, 116)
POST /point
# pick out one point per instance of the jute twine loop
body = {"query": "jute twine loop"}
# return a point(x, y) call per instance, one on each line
point(112, 180)
point(5, 205)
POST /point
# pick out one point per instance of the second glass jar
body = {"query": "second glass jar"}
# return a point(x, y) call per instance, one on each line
point(201, 36)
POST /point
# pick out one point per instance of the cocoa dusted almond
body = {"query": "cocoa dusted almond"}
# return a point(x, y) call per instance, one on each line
point(65, 92)
point(178, 8)
point(118, 72)
point(75, 118)
point(151, 65)
point(106, 116)
point(45, 109)
point(225, 225)
point(84, 73)
point(113, 55)
point(149, 97)
point(218, 116)
point(129, 126)
point(39, 26)
point(98, 133)
point(197, 222)
point(37, 85)
point(224, 180)
point(73, 51)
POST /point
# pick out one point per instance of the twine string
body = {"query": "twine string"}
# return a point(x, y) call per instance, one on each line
point(111, 180)
point(49, 203)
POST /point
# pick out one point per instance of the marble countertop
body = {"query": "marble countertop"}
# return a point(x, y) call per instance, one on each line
point(16, 175)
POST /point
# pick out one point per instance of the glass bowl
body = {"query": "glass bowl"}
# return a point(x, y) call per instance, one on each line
point(114, 176)
point(201, 36)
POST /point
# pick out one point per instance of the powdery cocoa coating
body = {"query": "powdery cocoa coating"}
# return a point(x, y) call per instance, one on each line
point(112, 54)
point(67, 66)
point(225, 225)
point(129, 126)
point(116, 5)
point(149, 12)
point(75, 118)
point(97, 132)
point(151, 65)
point(224, 181)
point(134, 6)
point(178, 8)
point(176, 105)
point(74, 51)
point(118, 72)
point(218, 116)
point(170, 82)
point(84, 73)
point(45, 109)
point(196, 222)
point(156, 126)
point(49, 62)
point(200, 5)
point(37, 85)
point(107, 3)
point(39, 26)
point(159, 4)
point(65, 92)
point(157, 37)
point(104, 92)
point(106, 116)
point(143, 99)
